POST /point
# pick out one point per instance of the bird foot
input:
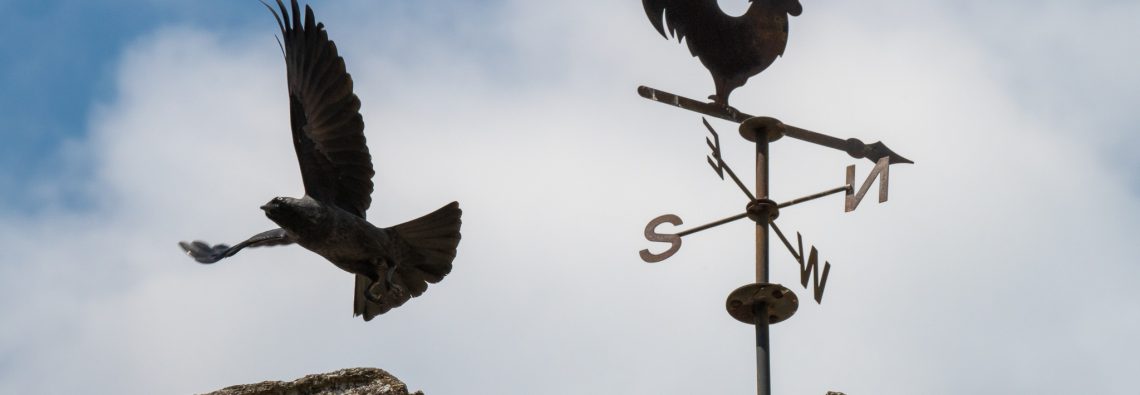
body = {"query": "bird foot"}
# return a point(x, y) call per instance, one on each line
point(398, 291)
point(372, 291)
point(377, 292)
point(387, 287)
point(732, 112)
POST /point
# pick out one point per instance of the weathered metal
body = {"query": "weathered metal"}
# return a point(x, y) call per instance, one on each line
point(810, 267)
point(710, 109)
point(756, 210)
point(652, 235)
point(853, 147)
point(752, 128)
point(814, 196)
point(763, 303)
point(720, 166)
point(712, 225)
point(761, 210)
point(881, 169)
point(779, 303)
point(732, 48)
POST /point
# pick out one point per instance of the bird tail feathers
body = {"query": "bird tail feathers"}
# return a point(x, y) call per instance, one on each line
point(433, 239)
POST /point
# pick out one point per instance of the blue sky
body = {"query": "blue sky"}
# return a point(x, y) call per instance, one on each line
point(63, 62)
point(1003, 263)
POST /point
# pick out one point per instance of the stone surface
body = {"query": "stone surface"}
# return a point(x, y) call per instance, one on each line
point(355, 381)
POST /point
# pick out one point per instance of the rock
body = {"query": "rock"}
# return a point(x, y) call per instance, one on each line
point(355, 381)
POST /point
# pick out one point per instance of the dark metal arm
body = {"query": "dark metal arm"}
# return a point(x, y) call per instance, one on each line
point(854, 147)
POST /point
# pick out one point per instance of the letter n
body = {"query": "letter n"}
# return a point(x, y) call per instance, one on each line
point(882, 169)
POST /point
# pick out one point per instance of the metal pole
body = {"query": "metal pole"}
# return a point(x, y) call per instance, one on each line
point(760, 310)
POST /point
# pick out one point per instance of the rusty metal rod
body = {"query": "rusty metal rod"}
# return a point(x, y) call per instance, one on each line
point(737, 181)
point(760, 310)
point(807, 198)
point(786, 242)
point(712, 224)
point(710, 109)
point(740, 216)
point(854, 147)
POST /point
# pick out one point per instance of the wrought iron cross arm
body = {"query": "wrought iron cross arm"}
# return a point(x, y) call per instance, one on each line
point(674, 239)
point(710, 109)
point(713, 224)
point(829, 192)
point(854, 147)
point(788, 244)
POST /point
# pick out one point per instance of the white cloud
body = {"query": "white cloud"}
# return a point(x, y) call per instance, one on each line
point(1000, 265)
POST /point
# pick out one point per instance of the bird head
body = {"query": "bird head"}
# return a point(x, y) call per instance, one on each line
point(792, 7)
point(293, 214)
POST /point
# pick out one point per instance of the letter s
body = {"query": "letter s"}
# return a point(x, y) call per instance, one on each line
point(652, 235)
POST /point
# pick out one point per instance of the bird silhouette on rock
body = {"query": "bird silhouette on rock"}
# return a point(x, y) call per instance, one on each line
point(732, 48)
point(391, 265)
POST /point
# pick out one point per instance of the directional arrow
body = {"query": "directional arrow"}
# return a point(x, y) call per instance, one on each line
point(854, 147)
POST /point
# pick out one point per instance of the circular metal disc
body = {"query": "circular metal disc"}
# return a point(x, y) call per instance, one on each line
point(752, 127)
point(780, 301)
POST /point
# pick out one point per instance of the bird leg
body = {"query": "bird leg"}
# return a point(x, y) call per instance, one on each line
point(377, 288)
point(720, 98)
point(732, 111)
point(397, 289)
point(380, 288)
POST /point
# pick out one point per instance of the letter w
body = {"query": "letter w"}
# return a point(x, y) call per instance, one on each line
point(812, 268)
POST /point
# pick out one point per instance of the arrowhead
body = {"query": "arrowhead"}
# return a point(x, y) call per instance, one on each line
point(879, 150)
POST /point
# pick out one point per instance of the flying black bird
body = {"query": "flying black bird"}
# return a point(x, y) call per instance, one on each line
point(732, 48)
point(391, 265)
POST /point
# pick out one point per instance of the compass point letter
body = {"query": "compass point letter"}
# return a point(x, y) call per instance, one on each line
point(882, 169)
point(715, 161)
point(652, 235)
point(812, 267)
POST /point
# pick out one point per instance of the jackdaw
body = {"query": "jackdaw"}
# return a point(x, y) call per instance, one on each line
point(392, 264)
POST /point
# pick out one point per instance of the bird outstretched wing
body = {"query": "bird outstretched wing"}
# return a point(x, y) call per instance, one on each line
point(695, 19)
point(205, 253)
point(328, 131)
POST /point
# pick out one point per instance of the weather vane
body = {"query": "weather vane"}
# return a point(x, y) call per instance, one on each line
point(734, 49)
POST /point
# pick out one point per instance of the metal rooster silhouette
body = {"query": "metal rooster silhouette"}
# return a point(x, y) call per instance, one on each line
point(392, 264)
point(732, 48)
